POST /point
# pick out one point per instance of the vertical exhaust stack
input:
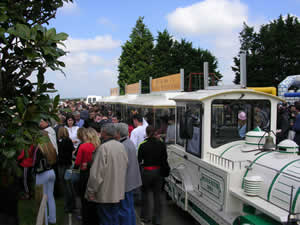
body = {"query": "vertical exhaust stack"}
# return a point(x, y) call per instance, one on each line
point(182, 79)
point(205, 75)
point(150, 84)
point(243, 70)
point(140, 87)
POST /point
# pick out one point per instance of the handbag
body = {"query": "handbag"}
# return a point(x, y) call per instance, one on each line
point(72, 175)
point(165, 169)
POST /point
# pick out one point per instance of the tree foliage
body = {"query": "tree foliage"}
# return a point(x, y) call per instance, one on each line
point(27, 49)
point(162, 55)
point(140, 59)
point(192, 60)
point(272, 53)
point(136, 58)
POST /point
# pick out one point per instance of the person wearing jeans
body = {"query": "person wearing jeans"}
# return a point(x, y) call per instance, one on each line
point(107, 180)
point(43, 160)
point(47, 179)
point(133, 177)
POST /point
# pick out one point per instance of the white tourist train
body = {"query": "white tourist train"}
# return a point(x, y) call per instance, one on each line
point(218, 175)
point(221, 178)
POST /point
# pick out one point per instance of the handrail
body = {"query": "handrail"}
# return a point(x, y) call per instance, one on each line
point(224, 162)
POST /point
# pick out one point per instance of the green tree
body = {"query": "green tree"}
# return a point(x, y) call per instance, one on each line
point(140, 60)
point(135, 62)
point(162, 55)
point(28, 49)
point(192, 60)
point(272, 53)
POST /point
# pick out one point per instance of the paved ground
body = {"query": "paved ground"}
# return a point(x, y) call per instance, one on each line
point(171, 215)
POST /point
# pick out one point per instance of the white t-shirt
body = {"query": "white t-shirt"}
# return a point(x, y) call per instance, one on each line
point(138, 135)
point(73, 135)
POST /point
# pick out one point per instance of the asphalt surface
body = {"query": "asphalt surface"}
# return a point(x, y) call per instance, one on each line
point(171, 215)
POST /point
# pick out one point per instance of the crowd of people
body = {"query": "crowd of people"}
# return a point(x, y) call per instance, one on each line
point(108, 164)
point(93, 155)
point(288, 122)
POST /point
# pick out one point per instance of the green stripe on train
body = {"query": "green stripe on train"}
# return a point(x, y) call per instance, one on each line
point(208, 219)
point(277, 175)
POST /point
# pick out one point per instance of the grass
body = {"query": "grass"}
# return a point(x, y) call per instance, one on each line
point(28, 212)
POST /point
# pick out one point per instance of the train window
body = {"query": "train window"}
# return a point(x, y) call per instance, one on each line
point(231, 119)
point(193, 144)
point(180, 110)
point(170, 135)
point(165, 124)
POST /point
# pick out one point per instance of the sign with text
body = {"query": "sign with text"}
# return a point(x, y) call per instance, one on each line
point(114, 91)
point(168, 83)
point(212, 186)
point(132, 88)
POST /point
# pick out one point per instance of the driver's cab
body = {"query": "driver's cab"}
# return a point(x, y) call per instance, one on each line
point(207, 120)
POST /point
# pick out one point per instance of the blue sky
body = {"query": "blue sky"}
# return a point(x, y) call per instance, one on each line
point(97, 29)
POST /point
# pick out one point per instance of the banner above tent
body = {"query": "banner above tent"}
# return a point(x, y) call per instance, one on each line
point(172, 82)
point(133, 88)
point(114, 91)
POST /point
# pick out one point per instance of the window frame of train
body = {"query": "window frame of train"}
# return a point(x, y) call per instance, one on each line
point(224, 118)
point(193, 113)
point(162, 115)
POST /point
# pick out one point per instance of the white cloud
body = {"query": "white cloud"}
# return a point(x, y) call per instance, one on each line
point(87, 72)
point(79, 59)
point(216, 24)
point(225, 48)
point(208, 17)
point(84, 79)
point(98, 43)
point(69, 7)
point(106, 22)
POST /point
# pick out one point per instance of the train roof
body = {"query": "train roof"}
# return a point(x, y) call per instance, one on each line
point(211, 93)
point(118, 99)
point(155, 99)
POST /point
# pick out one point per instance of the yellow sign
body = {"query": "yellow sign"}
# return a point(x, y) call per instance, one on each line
point(114, 91)
point(168, 83)
point(132, 88)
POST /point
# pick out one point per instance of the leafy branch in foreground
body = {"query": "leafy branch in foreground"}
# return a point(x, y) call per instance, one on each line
point(27, 49)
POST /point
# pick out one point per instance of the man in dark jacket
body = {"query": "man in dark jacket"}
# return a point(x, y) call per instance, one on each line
point(152, 155)
point(90, 120)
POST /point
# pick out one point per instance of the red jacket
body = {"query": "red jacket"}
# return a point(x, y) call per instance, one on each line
point(26, 161)
point(84, 155)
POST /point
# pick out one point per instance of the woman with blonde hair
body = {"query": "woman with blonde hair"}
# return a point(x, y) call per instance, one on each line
point(92, 137)
point(44, 160)
point(83, 159)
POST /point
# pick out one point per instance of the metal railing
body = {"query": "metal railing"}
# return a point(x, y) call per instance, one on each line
point(226, 163)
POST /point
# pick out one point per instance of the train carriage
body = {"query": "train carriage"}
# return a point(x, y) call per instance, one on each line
point(225, 167)
point(154, 107)
point(220, 177)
